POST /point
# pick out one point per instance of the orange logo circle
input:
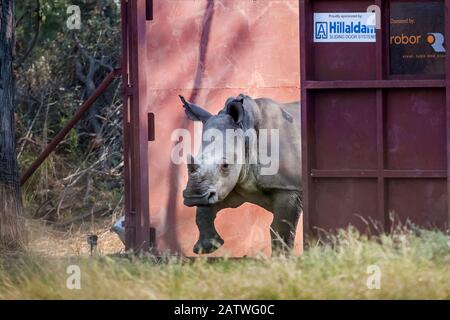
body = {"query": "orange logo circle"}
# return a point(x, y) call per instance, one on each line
point(431, 39)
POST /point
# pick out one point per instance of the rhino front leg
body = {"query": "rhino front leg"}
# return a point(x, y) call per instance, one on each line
point(209, 240)
point(287, 208)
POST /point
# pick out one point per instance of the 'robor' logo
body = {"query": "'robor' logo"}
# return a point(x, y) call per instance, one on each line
point(404, 39)
point(436, 40)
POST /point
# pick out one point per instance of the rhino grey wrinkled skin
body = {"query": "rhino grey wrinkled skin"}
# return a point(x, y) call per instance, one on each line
point(215, 186)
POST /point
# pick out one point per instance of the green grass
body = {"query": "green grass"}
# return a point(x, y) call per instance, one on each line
point(413, 265)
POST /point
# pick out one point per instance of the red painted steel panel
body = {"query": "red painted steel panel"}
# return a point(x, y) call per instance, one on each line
point(343, 202)
point(129, 226)
point(137, 224)
point(209, 51)
point(426, 201)
point(345, 130)
point(447, 76)
point(375, 144)
point(415, 129)
point(332, 60)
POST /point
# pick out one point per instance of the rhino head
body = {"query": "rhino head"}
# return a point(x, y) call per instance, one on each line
point(216, 170)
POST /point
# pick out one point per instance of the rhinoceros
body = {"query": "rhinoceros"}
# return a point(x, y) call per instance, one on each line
point(215, 185)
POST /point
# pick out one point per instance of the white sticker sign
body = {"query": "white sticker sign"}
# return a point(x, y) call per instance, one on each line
point(345, 27)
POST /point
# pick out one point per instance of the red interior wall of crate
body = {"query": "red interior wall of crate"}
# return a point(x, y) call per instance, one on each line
point(208, 51)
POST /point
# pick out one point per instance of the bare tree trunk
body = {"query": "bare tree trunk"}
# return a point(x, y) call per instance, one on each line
point(11, 220)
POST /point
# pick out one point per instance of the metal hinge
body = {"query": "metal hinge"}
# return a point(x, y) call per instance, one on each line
point(151, 126)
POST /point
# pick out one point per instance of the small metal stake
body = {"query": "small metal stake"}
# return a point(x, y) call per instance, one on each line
point(92, 241)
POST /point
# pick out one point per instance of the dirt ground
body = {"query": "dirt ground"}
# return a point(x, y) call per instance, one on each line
point(47, 240)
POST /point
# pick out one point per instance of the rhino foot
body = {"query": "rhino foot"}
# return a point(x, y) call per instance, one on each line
point(208, 245)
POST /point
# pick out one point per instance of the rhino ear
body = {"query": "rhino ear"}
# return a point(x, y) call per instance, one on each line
point(235, 109)
point(194, 112)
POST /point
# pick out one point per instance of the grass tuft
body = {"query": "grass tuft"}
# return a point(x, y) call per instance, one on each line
point(413, 265)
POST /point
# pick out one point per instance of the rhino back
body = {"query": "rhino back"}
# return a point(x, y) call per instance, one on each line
point(285, 118)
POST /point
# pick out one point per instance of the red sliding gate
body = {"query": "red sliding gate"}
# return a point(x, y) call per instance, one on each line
point(375, 113)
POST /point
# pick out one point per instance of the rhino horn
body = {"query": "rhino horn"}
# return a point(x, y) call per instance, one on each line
point(194, 112)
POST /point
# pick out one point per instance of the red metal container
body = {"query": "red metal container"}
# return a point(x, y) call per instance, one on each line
point(375, 109)
point(375, 116)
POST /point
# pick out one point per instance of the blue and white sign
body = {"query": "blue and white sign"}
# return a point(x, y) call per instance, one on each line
point(345, 27)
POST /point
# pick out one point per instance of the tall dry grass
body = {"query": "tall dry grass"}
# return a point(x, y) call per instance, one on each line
point(413, 265)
